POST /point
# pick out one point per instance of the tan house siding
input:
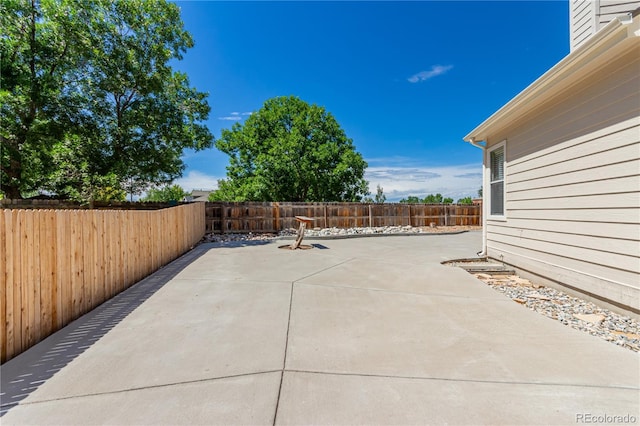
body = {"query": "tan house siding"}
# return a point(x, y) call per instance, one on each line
point(586, 17)
point(573, 186)
point(610, 9)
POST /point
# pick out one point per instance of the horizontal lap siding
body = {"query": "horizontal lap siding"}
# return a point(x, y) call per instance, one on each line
point(611, 9)
point(588, 16)
point(573, 188)
point(590, 278)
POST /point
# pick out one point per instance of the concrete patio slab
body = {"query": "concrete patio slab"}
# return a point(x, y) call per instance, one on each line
point(417, 278)
point(354, 331)
point(190, 330)
point(358, 331)
point(244, 400)
point(327, 399)
point(263, 262)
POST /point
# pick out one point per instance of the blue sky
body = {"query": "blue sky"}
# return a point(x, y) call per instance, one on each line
point(405, 80)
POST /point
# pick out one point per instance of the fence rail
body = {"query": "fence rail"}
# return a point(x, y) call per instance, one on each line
point(56, 265)
point(259, 217)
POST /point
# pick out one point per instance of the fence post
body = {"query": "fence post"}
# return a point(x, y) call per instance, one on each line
point(325, 215)
point(223, 220)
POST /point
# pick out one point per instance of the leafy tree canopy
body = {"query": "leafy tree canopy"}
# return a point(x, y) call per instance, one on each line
point(429, 199)
point(465, 200)
point(411, 199)
point(167, 193)
point(433, 199)
point(88, 100)
point(290, 151)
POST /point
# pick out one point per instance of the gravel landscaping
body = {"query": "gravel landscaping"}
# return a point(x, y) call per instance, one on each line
point(341, 232)
point(572, 311)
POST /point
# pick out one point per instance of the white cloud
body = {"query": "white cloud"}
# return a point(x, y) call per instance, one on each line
point(235, 116)
point(401, 180)
point(398, 176)
point(425, 75)
point(197, 180)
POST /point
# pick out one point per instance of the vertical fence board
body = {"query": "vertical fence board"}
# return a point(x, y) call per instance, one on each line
point(34, 246)
point(135, 244)
point(87, 261)
point(77, 264)
point(26, 295)
point(3, 287)
point(144, 243)
point(114, 250)
point(13, 281)
point(96, 259)
point(17, 282)
point(107, 244)
point(52, 236)
point(44, 255)
point(63, 268)
point(129, 254)
point(174, 230)
point(119, 235)
point(156, 242)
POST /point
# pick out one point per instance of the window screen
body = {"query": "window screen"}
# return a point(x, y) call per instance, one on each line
point(497, 181)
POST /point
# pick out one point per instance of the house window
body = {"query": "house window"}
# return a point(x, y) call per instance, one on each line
point(496, 180)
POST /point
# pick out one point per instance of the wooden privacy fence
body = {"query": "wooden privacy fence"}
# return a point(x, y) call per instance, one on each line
point(56, 265)
point(247, 217)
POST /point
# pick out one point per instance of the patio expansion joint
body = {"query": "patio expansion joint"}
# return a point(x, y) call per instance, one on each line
point(284, 360)
point(449, 379)
point(234, 280)
point(324, 269)
point(134, 389)
point(408, 293)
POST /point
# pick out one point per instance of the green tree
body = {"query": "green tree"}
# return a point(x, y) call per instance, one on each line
point(167, 193)
point(411, 199)
point(74, 175)
point(290, 151)
point(88, 85)
point(465, 200)
point(480, 192)
point(447, 200)
point(380, 197)
point(39, 49)
point(433, 199)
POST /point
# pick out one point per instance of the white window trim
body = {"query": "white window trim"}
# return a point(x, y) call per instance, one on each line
point(503, 216)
